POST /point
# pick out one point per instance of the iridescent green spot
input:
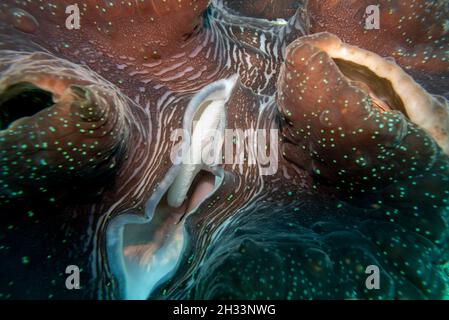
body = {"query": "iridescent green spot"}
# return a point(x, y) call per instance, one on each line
point(25, 260)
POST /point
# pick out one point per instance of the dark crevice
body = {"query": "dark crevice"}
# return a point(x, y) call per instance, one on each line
point(22, 100)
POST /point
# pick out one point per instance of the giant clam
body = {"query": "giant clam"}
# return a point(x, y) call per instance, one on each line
point(337, 138)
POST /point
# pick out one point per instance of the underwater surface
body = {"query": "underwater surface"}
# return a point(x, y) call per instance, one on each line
point(224, 149)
